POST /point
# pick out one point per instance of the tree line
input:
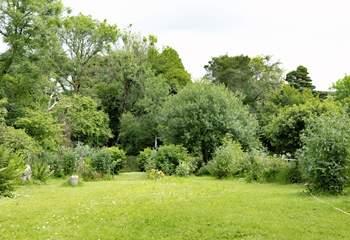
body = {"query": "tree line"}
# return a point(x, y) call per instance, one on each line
point(70, 79)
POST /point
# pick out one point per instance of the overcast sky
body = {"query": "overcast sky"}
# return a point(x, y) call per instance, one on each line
point(314, 33)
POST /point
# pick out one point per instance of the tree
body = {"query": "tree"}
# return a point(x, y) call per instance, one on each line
point(82, 120)
point(83, 38)
point(200, 115)
point(342, 88)
point(118, 79)
point(42, 127)
point(28, 28)
point(325, 157)
point(285, 129)
point(169, 64)
point(139, 129)
point(254, 77)
point(285, 96)
point(11, 166)
point(300, 79)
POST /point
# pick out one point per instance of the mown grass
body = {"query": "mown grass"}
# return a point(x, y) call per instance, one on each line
point(132, 207)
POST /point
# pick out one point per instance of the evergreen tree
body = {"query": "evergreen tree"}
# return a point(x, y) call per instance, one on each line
point(300, 79)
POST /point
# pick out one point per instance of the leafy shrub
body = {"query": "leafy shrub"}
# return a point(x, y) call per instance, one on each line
point(87, 172)
point(285, 129)
point(203, 171)
point(85, 122)
point(183, 169)
point(118, 158)
point(325, 157)
point(200, 115)
point(102, 161)
point(144, 157)
point(42, 127)
point(168, 157)
point(19, 142)
point(229, 160)
point(11, 167)
point(41, 170)
point(265, 168)
point(69, 159)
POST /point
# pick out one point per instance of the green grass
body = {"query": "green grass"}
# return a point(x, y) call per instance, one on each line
point(132, 207)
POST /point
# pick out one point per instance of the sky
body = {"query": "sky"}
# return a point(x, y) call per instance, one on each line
point(313, 33)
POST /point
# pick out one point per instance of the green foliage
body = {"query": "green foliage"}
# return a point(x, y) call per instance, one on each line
point(283, 97)
point(229, 160)
point(19, 142)
point(3, 111)
point(108, 161)
point(325, 157)
point(84, 38)
point(67, 162)
point(120, 83)
point(285, 129)
point(169, 64)
point(184, 169)
point(144, 157)
point(29, 29)
point(118, 157)
point(168, 158)
point(11, 166)
point(82, 120)
point(41, 171)
point(342, 88)
point(254, 77)
point(300, 79)
point(200, 115)
point(265, 168)
point(139, 130)
point(42, 127)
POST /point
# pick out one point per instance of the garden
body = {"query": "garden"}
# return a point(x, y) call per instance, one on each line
point(105, 135)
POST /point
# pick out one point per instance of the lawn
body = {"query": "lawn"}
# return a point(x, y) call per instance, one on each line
point(132, 207)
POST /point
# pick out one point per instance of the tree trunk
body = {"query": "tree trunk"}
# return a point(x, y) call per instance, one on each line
point(205, 153)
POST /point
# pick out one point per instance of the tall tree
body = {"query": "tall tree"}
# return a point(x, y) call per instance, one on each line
point(254, 77)
point(83, 38)
point(118, 79)
point(169, 64)
point(200, 115)
point(300, 79)
point(28, 28)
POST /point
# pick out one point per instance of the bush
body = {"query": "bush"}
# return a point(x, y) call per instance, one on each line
point(168, 158)
point(41, 170)
point(19, 142)
point(203, 171)
point(144, 157)
point(229, 160)
point(201, 114)
point(42, 127)
point(325, 157)
point(85, 122)
point(108, 161)
point(265, 168)
point(69, 159)
point(118, 158)
point(11, 167)
point(183, 169)
point(87, 172)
